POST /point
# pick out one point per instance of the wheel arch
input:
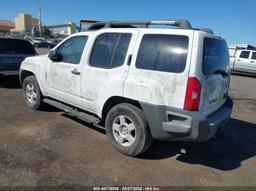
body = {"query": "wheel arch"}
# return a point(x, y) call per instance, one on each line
point(25, 73)
point(113, 101)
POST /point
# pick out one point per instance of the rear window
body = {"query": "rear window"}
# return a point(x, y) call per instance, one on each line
point(167, 53)
point(15, 46)
point(215, 56)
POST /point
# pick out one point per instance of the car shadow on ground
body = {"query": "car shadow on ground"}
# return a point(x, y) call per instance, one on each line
point(10, 82)
point(226, 152)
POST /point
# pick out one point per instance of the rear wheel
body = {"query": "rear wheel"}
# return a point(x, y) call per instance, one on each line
point(32, 93)
point(127, 129)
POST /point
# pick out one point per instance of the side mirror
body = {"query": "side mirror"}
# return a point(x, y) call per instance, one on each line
point(54, 56)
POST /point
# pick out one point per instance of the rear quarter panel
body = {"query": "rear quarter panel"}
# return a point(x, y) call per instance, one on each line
point(156, 87)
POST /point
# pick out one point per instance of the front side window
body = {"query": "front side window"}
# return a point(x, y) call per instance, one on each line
point(254, 56)
point(72, 49)
point(245, 54)
point(166, 53)
point(110, 50)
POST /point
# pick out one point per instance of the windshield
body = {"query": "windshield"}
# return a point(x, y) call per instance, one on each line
point(215, 56)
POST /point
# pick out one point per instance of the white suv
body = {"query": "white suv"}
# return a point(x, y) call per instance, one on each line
point(141, 83)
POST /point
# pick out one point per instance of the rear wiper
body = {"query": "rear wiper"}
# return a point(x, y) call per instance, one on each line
point(222, 72)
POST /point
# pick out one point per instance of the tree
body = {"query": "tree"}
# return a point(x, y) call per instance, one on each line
point(46, 33)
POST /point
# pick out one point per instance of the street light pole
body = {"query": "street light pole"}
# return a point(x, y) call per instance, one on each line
point(40, 21)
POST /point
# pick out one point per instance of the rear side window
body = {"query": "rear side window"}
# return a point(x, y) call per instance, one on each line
point(215, 56)
point(166, 53)
point(15, 46)
point(245, 54)
point(110, 50)
point(254, 56)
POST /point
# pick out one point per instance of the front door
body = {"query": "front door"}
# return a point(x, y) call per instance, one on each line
point(65, 76)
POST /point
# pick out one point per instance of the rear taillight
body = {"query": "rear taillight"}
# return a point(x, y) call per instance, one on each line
point(192, 98)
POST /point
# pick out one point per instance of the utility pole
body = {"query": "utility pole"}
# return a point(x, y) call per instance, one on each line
point(40, 21)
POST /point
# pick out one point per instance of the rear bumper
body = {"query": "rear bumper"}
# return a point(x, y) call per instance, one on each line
point(172, 124)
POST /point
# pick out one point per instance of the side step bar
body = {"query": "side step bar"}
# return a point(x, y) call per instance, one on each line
point(73, 111)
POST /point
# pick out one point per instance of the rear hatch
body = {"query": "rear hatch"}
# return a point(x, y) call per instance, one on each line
point(13, 52)
point(216, 77)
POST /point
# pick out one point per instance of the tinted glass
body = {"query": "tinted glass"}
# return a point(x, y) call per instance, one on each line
point(110, 50)
point(166, 53)
point(245, 54)
point(254, 55)
point(121, 50)
point(215, 56)
point(72, 49)
point(15, 46)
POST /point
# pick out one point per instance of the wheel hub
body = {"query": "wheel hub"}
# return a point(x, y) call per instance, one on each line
point(124, 130)
point(31, 93)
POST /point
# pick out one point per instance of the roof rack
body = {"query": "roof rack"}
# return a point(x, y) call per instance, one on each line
point(184, 24)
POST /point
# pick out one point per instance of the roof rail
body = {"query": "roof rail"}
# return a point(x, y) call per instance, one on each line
point(184, 24)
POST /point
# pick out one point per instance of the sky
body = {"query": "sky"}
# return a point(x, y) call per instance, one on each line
point(235, 20)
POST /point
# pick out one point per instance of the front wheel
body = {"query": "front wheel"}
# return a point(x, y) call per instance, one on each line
point(127, 129)
point(32, 93)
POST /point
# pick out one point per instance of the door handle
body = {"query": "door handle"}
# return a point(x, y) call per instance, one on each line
point(252, 62)
point(238, 60)
point(75, 72)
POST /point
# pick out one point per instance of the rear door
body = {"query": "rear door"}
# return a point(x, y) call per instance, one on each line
point(107, 67)
point(252, 63)
point(242, 61)
point(215, 75)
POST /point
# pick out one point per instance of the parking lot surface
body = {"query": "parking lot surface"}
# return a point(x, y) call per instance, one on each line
point(51, 148)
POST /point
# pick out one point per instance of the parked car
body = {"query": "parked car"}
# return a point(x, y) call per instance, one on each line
point(45, 43)
point(35, 43)
point(38, 42)
point(12, 53)
point(52, 42)
point(243, 60)
point(141, 83)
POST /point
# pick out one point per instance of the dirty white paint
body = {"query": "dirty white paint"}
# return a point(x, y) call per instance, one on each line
point(156, 87)
point(213, 87)
point(95, 86)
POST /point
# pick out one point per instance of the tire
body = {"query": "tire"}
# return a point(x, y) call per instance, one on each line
point(127, 129)
point(32, 93)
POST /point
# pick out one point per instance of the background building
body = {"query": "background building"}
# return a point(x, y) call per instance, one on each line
point(24, 23)
point(6, 26)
